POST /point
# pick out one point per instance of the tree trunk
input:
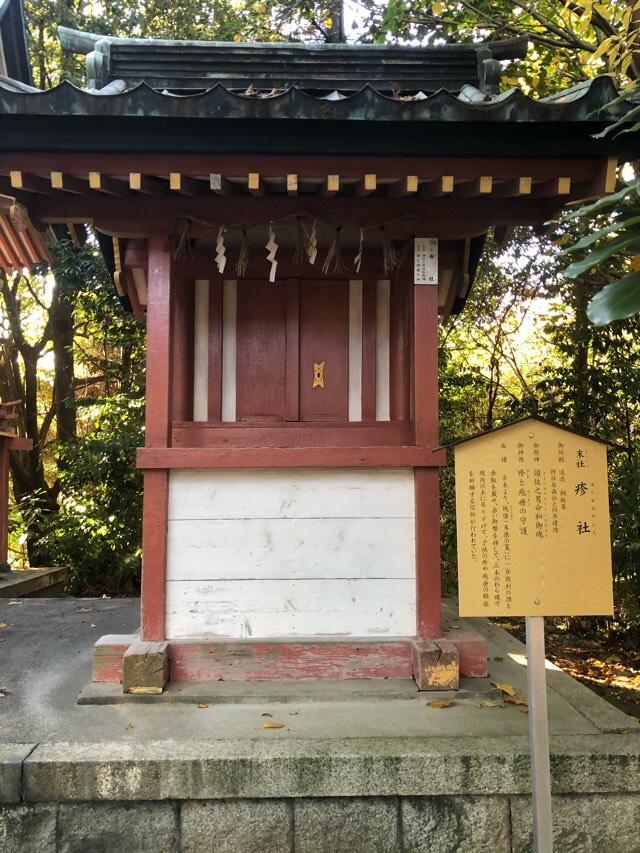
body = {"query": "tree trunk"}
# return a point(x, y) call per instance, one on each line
point(582, 340)
point(63, 386)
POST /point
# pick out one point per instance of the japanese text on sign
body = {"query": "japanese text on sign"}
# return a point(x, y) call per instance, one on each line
point(533, 523)
point(425, 260)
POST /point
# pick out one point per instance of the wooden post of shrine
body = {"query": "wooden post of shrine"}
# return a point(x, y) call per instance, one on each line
point(427, 486)
point(8, 441)
point(157, 434)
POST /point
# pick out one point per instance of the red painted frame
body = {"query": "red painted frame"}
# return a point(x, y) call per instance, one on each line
point(159, 402)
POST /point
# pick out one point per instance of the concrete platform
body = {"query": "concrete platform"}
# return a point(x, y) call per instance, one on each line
point(355, 768)
point(33, 583)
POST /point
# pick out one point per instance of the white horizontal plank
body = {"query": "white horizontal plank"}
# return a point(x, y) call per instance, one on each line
point(291, 493)
point(291, 548)
point(295, 608)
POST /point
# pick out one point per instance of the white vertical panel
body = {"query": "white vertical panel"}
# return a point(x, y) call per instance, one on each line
point(286, 553)
point(229, 311)
point(201, 351)
point(355, 350)
point(383, 299)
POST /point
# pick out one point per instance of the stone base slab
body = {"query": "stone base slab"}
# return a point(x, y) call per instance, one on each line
point(369, 795)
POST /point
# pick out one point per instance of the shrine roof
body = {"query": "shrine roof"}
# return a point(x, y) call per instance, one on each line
point(187, 66)
point(121, 118)
point(164, 95)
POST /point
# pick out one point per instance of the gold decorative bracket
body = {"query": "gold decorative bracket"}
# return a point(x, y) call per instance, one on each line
point(318, 374)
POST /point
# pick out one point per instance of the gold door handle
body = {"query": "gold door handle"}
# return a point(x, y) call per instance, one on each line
point(318, 374)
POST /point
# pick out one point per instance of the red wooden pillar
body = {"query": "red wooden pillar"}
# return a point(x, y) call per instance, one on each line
point(427, 489)
point(158, 434)
point(4, 498)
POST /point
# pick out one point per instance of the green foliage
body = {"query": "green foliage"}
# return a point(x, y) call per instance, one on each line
point(572, 40)
point(616, 301)
point(96, 532)
point(619, 238)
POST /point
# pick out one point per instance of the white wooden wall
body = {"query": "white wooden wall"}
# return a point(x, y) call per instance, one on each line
point(291, 553)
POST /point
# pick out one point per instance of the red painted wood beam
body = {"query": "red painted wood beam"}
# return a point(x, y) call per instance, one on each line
point(289, 457)
point(427, 495)
point(449, 218)
point(4, 498)
point(158, 434)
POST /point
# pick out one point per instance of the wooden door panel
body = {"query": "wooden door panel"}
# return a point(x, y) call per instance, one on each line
point(261, 351)
point(324, 337)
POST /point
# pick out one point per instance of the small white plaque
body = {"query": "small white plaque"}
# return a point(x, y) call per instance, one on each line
point(425, 260)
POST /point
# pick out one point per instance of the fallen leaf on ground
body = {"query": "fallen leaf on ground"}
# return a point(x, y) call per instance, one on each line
point(3, 624)
point(498, 657)
point(442, 703)
point(293, 713)
point(455, 627)
point(4, 691)
point(489, 703)
point(517, 699)
point(272, 724)
point(130, 727)
point(266, 715)
point(505, 688)
point(202, 705)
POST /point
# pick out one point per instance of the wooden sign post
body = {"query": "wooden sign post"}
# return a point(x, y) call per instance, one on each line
point(533, 540)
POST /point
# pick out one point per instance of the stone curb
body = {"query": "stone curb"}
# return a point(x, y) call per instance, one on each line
point(12, 757)
point(194, 770)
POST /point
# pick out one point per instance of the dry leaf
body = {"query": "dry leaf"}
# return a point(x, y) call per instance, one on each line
point(202, 705)
point(516, 699)
point(442, 703)
point(130, 727)
point(3, 624)
point(455, 627)
point(506, 688)
point(272, 724)
point(266, 715)
point(498, 657)
point(489, 703)
point(293, 713)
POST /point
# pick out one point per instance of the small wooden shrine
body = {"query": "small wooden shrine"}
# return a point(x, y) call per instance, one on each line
point(292, 222)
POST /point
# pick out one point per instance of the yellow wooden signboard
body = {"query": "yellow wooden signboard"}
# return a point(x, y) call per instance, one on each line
point(533, 523)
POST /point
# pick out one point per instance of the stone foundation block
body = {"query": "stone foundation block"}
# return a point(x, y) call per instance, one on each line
point(583, 824)
point(453, 824)
point(118, 828)
point(28, 829)
point(472, 652)
point(436, 665)
point(145, 668)
point(237, 826)
point(346, 825)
